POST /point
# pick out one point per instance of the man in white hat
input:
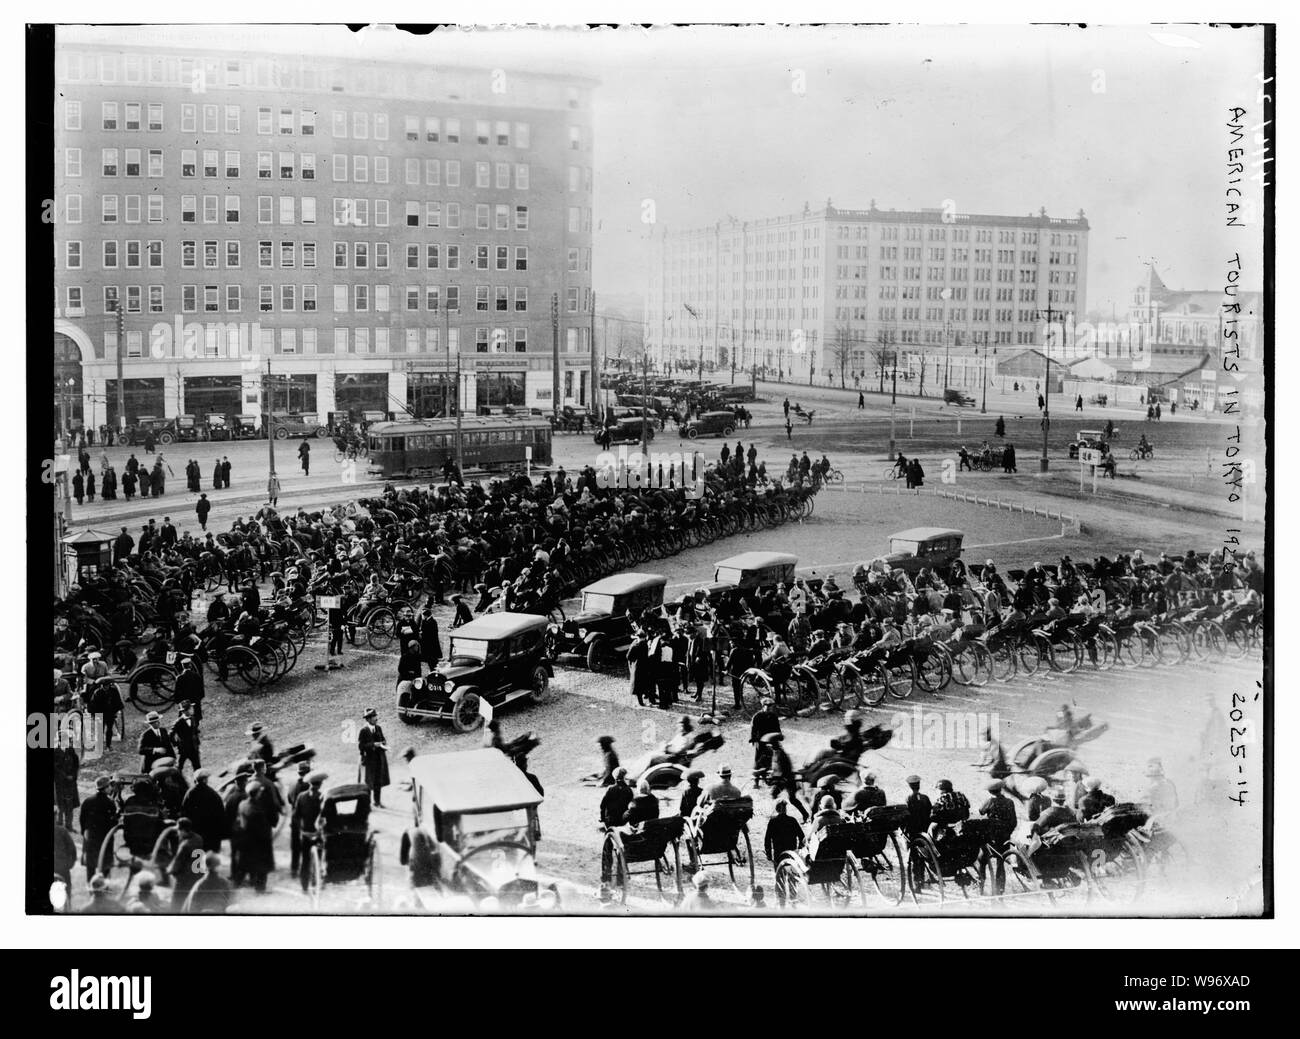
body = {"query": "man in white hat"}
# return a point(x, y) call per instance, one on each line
point(723, 789)
point(155, 742)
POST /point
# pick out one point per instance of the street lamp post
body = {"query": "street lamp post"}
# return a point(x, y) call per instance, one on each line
point(893, 400)
point(1046, 423)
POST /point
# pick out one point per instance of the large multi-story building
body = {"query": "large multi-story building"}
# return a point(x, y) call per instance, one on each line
point(835, 289)
point(366, 228)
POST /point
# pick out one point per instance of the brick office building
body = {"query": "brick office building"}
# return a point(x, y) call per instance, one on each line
point(365, 227)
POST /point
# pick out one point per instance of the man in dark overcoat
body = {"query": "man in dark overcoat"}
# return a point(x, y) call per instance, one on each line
point(374, 756)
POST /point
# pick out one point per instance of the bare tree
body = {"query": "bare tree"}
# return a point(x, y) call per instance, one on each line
point(842, 349)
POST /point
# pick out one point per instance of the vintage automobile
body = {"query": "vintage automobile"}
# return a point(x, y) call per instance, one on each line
point(493, 660)
point(246, 427)
point(602, 630)
point(191, 428)
point(163, 429)
point(220, 427)
point(475, 830)
point(749, 573)
point(287, 424)
point(911, 550)
point(951, 396)
point(1087, 438)
point(628, 431)
point(709, 424)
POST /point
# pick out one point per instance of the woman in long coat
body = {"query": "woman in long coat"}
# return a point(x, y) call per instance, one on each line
point(216, 475)
point(256, 842)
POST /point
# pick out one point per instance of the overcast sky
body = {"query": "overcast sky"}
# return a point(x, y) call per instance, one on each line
point(1127, 124)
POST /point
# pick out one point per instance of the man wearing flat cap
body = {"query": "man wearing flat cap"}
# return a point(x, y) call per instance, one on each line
point(613, 810)
point(618, 796)
point(918, 808)
point(155, 742)
point(1057, 815)
point(692, 794)
point(299, 787)
point(374, 756)
point(306, 813)
point(1095, 801)
point(1000, 811)
point(98, 817)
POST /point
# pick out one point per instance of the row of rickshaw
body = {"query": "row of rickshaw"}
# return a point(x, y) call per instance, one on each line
point(343, 849)
point(881, 856)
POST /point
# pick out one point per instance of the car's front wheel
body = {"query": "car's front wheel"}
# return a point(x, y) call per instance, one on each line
point(540, 684)
point(465, 715)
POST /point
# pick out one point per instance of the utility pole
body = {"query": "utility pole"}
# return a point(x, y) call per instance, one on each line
point(121, 378)
point(555, 359)
point(268, 402)
point(1047, 390)
point(893, 400)
point(447, 391)
point(645, 393)
point(595, 372)
point(460, 451)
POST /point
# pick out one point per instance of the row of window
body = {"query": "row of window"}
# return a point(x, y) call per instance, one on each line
point(234, 341)
point(281, 74)
point(286, 209)
point(134, 116)
point(289, 298)
point(136, 162)
point(354, 255)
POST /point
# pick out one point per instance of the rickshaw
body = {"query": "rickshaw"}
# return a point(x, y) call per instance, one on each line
point(841, 854)
point(649, 843)
point(344, 847)
point(1104, 857)
point(966, 854)
point(722, 828)
point(143, 831)
point(665, 768)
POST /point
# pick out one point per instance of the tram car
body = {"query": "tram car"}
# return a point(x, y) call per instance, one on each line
point(418, 448)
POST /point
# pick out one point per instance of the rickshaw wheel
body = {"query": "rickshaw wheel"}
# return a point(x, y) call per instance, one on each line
point(848, 886)
point(152, 685)
point(923, 868)
point(834, 689)
point(381, 628)
point(1021, 873)
point(1128, 882)
point(243, 670)
point(886, 872)
point(898, 680)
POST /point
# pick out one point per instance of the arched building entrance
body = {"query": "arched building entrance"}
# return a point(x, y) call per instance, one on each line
point(69, 390)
